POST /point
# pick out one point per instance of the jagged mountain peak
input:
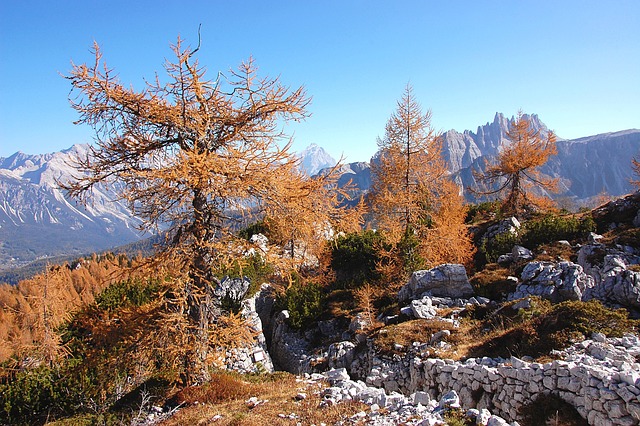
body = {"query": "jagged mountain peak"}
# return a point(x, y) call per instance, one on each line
point(314, 158)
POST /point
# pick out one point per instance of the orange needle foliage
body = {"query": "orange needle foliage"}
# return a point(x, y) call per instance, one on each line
point(635, 166)
point(412, 195)
point(516, 169)
point(199, 156)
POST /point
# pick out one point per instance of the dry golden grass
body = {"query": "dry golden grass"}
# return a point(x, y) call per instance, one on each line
point(405, 333)
point(224, 402)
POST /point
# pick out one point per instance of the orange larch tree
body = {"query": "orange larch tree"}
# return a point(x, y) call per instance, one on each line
point(635, 166)
point(516, 169)
point(411, 188)
point(195, 155)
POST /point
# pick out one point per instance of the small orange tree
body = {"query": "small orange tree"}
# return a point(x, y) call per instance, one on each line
point(411, 190)
point(516, 169)
point(635, 165)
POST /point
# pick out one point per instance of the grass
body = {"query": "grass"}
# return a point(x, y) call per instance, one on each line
point(505, 331)
point(224, 401)
point(543, 327)
point(492, 282)
point(419, 330)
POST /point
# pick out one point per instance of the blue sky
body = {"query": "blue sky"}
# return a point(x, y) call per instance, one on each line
point(574, 63)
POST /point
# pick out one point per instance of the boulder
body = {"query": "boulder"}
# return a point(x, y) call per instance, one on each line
point(447, 280)
point(618, 285)
point(521, 253)
point(341, 355)
point(554, 281)
point(509, 225)
point(614, 283)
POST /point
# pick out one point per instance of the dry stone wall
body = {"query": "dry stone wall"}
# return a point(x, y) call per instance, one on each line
point(599, 377)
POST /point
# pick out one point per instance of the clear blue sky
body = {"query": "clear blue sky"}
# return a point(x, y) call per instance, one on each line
point(575, 63)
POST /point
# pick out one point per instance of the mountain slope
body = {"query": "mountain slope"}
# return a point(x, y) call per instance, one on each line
point(37, 220)
point(461, 150)
point(585, 167)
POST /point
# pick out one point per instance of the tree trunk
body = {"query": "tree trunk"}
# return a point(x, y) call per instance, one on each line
point(200, 301)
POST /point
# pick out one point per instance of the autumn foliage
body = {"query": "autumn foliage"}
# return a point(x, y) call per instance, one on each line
point(414, 202)
point(516, 170)
point(202, 157)
point(635, 166)
point(32, 311)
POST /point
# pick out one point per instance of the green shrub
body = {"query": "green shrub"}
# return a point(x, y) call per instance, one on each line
point(354, 258)
point(586, 318)
point(553, 227)
point(253, 267)
point(545, 326)
point(487, 209)
point(500, 244)
point(259, 227)
point(133, 292)
point(409, 255)
point(538, 231)
point(304, 301)
point(41, 394)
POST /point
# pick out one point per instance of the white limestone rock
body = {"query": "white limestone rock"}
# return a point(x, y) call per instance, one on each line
point(447, 280)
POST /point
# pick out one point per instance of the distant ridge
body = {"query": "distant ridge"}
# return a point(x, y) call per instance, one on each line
point(586, 167)
point(38, 220)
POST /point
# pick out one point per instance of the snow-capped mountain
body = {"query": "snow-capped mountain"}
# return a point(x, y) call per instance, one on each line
point(38, 220)
point(314, 158)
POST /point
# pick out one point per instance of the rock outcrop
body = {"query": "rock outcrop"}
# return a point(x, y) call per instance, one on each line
point(255, 357)
point(447, 280)
point(553, 281)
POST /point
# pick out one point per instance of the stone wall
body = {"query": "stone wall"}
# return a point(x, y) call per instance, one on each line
point(600, 378)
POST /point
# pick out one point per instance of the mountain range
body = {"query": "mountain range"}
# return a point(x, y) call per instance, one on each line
point(38, 221)
point(586, 168)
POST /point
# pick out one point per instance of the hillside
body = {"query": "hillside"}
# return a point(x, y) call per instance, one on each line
point(38, 221)
point(532, 330)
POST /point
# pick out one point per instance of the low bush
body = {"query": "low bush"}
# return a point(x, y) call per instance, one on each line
point(259, 227)
point(543, 327)
point(304, 301)
point(223, 387)
point(500, 244)
point(535, 232)
point(132, 292)
point(483, 211)
point(551, 227)
point(354, 258)
point(255, 268)
point(492, 282)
